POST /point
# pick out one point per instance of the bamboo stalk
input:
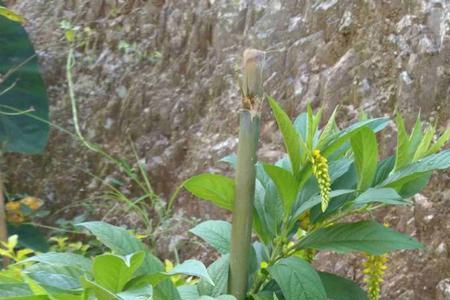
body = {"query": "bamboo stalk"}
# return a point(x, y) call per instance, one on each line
point(245, 175)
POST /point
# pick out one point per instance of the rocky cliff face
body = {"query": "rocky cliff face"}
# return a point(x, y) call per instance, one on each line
point(164, 74)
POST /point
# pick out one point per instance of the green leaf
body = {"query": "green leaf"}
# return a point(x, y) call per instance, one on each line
point(380, 195)
point(100, 292)
point(365, 149)
point(13, 16)
point(212, 187)
point(286, 184)
point(328, 130)
point(440, 142)
point(22, 90)
point(425, 143)
point(137, 293)
point(14, 289)
point(364, 236)
point(123, 243)
point(342, 137)
point(402, 151)
point(230, 159)
point(384, 168)
point(414, 186)
point(418, 169)
point(192, 267)
point(291, 138)
point(113, 272)
point(215, 233)
point(339, 288)
point(165, 290)
point(219, 273)
point(62, 259)
point(317, 199)
point(62, 278)
point(297, 279)
point(29, 236)
point(223, 297)
point(188, 292)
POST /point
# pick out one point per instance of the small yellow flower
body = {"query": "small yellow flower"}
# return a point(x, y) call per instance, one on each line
point(32, 202)
point(374, 268)
point(264, 265)
point(320, 171)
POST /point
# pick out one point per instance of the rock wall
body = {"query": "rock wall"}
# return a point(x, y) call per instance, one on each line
point(163, 74)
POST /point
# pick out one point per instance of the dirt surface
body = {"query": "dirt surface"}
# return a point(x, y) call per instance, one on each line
point(163, 75)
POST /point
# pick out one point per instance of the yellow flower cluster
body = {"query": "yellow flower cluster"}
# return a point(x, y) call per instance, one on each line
point(320, 171)
point(14, 212)
point(374, 268)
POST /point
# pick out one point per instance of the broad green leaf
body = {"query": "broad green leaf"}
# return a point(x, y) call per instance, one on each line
point(14, 289)
point(268, 205)
point(301, 125)
point(62, 259)
point(188, 292)
point(414, 186)
point(192, 267)
point(384, 168)
point(21, 89)
point(100, 292)
point(62, 278)
point(286, 184)
point(297, 279)
point(212, 187)
point(113, 272)
point(317, 199)
point(365, 149)
point(339, 288)
point(123, 243)
point(230, 159)
point(291, 138)
point(438, 161)
point(138, 293)
point(215, 233)
point(32, 297)
point(222, 297)
point(219, 273)
point(166, 290)
point(339, 167)
point(342, 137)
point(29, 235)
point(364, 236)
point(59, 296)
point(380, 195)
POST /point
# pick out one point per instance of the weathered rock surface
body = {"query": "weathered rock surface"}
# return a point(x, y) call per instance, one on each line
point(163, 74)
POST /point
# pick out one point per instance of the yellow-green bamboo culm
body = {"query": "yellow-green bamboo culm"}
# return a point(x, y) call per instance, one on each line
point(245, 178)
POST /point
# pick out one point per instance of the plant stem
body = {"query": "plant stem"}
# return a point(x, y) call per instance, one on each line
point(3, 228)
point(241, 231)
point(243, 204)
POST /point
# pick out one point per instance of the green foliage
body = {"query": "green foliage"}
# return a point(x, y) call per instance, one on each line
point(215, 188)
point(297, 279)
point(216, 233)
point(23, 97)
point(364, 236)
point(288, 217)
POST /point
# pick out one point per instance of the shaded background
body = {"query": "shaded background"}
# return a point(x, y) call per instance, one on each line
point(163, 73)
